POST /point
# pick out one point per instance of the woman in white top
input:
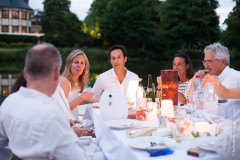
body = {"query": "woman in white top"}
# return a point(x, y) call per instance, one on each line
point(74, 79)
point(183, 64)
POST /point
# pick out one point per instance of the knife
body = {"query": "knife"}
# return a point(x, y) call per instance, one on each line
point(208, 120)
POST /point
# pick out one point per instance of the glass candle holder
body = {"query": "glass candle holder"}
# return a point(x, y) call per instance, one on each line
point(170, 85)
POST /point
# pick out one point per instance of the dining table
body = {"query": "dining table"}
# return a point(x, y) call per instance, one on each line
point(115, 142)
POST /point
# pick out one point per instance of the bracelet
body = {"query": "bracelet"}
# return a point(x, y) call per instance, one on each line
point(158, 89)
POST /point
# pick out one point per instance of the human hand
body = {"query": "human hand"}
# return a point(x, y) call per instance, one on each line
point(202, 73)
point(159, 81)
point(83, 132)
point(93, 100)
point(209, 78)
point(86, 96)
point(73, 122)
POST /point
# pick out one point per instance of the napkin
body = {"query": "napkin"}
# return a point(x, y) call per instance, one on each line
point(166, 131)
point(163, 152)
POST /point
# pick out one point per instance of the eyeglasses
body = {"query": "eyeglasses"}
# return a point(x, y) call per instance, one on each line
point(208, 61)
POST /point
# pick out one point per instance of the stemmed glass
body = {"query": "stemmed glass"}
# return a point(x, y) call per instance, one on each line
point(210, 96)
point(198, 99)
point(147, 109)
point(218, 115)
point(210, 92)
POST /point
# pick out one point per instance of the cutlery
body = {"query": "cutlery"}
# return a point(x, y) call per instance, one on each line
point(125, 125)
point(208, 120)
point(142, 132)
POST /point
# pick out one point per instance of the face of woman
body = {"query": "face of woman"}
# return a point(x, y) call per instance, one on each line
point(78, 65)
point(180, 66)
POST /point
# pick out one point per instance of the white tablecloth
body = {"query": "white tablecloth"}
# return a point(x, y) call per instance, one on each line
point(114, 144)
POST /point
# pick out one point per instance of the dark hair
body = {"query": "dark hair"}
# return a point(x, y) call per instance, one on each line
point(41, 60)
point(187, 60)
point(118, 47)
point(20, 81)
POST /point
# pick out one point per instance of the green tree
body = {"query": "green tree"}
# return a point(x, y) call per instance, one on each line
point(92, 20)
point(231, 36)
point(131, 23)
point(61, 27)
point(189, 25)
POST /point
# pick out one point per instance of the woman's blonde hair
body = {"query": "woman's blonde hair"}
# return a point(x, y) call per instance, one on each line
point(83, 79)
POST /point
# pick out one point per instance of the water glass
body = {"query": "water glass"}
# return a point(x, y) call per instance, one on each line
point(210, 95)
point(198, 102)
point(218, 115)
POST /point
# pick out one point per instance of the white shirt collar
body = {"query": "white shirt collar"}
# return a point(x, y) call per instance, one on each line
point(28, 92)
point(114, 74)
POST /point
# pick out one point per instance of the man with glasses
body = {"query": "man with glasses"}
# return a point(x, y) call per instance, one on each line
point(216, 62)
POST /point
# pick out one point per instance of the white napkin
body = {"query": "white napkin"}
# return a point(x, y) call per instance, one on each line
point(166, 131)
point(224, 142)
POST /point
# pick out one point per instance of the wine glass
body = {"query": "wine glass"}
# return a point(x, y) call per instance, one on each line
point(210, 92)
point(218, 115)
point(198, 99)
point(147, 109)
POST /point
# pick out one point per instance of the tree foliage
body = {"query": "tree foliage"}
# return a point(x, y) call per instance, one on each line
point(190, 25)
point(231, 36)
point(132, 23)
point(61, 27)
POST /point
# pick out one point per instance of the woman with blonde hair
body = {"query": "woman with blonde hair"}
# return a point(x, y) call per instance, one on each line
point(75, 78)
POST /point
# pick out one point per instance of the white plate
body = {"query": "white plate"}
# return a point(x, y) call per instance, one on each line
point(96, 105)
point(122, 123)
point(144, 142)
point(205, 143)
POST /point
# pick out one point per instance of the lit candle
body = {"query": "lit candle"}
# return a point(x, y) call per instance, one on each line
point(153, 114)
point(202, 127)
point(167, 108)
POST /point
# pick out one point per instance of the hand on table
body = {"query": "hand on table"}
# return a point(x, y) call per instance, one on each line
point(73, 122)
point(84, 132)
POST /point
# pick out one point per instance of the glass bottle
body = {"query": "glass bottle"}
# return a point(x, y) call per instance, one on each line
point(150, 92)
point(197, 82)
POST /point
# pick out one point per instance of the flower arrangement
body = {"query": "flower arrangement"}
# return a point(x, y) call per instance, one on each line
point(181, 128)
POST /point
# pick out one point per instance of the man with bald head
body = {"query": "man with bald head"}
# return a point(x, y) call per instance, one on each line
point(30, 122)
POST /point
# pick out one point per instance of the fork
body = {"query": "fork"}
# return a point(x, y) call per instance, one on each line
point(125, 125)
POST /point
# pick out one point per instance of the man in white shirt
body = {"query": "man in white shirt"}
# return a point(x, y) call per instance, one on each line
point(118, 76)
point(31, 124)
point(216, 62)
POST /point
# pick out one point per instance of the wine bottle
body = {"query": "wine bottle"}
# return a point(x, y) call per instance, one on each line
point(150, 93)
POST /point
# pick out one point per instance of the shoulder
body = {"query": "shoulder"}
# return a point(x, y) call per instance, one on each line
point(132, 75)
point(105, 74)
point(64, 83)
point(63, 80)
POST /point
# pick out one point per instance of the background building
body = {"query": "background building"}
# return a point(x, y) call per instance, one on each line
point(16, 18)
